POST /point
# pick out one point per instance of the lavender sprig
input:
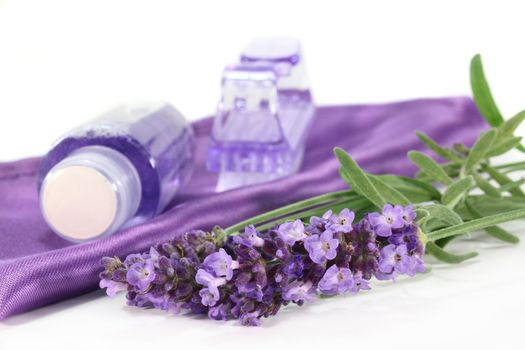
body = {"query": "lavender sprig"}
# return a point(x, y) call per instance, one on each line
point(251, 269)
point(255, 273)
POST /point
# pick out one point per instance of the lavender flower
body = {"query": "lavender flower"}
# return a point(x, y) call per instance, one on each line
point(209, 280)
point(360, 283)
point(336, 280)
point(219, 313)
point(321, 247)
point(415, 265)
point(221, 264)
point(298, 291)
point(294, 267)
point(394, 259)
point(291, 232)
point(341, 222)
point(141, 274)
point(209, 296)
point(390, 218)
point(254, 274)
point(407, 214)
point(250, 237)
point(318, 224)
point(112, 287)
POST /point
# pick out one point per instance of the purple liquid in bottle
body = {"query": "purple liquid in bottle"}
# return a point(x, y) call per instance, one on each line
point(143, 152)
point(263, 117)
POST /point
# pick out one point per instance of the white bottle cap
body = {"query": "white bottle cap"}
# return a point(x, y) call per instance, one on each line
point(91, 193)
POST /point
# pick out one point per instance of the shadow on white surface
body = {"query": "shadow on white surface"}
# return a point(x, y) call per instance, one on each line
point(48, 310)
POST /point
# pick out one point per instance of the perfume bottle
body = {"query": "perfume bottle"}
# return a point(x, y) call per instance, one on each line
point(263, 116)
point(116, 171)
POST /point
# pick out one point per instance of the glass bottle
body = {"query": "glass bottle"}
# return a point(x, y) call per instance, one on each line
point(116, 171)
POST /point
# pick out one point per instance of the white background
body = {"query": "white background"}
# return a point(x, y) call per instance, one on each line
point(62, 62)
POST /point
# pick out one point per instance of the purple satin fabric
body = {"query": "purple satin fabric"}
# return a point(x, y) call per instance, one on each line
point(37, 267)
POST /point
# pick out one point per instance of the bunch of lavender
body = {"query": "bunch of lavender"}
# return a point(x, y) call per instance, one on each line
point(249, 270)
point(254, 273)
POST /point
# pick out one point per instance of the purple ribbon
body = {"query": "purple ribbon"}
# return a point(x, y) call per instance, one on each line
point(37, 267)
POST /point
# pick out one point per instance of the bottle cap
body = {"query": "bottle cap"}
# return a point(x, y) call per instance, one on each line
point(91, 193)
point(263, 116)
point(284, 54)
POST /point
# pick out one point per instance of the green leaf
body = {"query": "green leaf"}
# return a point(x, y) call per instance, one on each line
point(477, 224)
point(506, 130)
point(416, 191)
point(494, 231)
point(444, 241)
point(452, 169)
point(455, 192)
point(444, 214)
point(480, 148)
point(461, 149)
point(482, 94)
point(486, 187)
point(447, 257)
point(421, 213)
point(423, 177)
point(512, 185)
point(503, 147)
point(436, 148)
point(359, 179)
point(501, 234)
point(439, 216)
point(489, 205)
point(390, 194)
point(433, 224)
point(430, 167)
point(502, 180)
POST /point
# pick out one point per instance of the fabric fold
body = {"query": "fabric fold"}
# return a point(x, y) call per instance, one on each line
point(37, 267)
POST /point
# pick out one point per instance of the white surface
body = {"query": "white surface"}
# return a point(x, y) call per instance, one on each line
point(62, 62)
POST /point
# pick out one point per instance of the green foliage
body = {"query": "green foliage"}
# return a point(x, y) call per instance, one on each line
point(443, 194)
point(440, 254)
point(457, 191)
point(429, 167)
point(482, 94)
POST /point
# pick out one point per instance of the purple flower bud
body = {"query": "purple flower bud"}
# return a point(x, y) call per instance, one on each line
point(298, 291)
point(391, 218)
point(394, 259)
point(158, 301)
point(342, 222)
point(154, 256)
point(318, 224)
point(221, 264)
point(408, 235)
point(209, 296)
point(218, 312)
point(250, 319)
point(408, 214)
point(414, 265)
point(291, 232)
point(321, 247)
point(119, 275)
point(294, 267)
point(132, 259)
point(112, 287)
point(360, 283)
point(250, 237)
point(183, 290)
point(207, 279)
point(336, 280)
point(141, 274)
